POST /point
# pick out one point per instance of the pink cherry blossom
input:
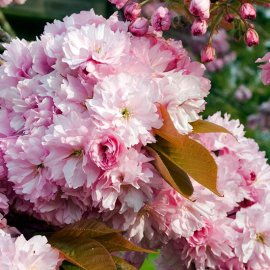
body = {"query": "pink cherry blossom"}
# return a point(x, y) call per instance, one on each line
point(119, 3)
point(67, 143)
point(20, 254)
point(200, 8)
point(161, 19)
point(117, 104)
point(105, 151)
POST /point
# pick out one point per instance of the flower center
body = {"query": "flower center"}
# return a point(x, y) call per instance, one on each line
point(98, 49)
point(77, 153)
point(40, 166)
point(260, 238)
point(125, 113)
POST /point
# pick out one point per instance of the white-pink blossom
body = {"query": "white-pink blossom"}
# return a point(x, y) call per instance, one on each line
point(20, 254)
point(120, 104)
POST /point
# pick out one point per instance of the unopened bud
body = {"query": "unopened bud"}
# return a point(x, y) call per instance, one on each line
point(251, 37)
point(208, 54)
point(248, 11)
point(199, 27)
point(132, 11)
point(200, 8)
point(161, 19)
point(139, 27)
point(229, 17)
point(119, 3)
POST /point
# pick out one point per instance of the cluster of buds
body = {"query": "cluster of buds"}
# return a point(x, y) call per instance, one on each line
point(203, 14)
point(160, 20)
point(237, 15)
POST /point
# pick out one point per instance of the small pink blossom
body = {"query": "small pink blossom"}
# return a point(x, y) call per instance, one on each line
point(251, 37)
point(199, 27)
point(105, 151)
point(92, 44)
point(208, 54)
point(132, 11)
point(19, 59)
point(119, 3)
point(139, 27)
point(248, 11)
point(161, 19)
point(200, 8)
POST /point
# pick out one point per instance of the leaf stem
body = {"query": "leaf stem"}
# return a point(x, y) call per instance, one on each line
point(145, 2)
point(5, 25)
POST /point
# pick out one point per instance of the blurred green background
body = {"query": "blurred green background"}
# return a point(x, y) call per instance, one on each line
point(28, 22)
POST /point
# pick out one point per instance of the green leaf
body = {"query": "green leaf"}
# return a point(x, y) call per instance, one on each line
point(116, 242)
point(172, 173)
point(185, 153)
point(121, 264)
point(202, 126)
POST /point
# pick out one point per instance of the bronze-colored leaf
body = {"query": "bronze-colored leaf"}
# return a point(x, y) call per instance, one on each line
point(182, 151)
point(87, 227)
point(172, 173)
point(116, 242)
point(192, 158)
point(85, 253)
point(75, 242)
point(168, 130)
point(68, 266)
point(121, 264)
point(88, 243)
point(202, 126)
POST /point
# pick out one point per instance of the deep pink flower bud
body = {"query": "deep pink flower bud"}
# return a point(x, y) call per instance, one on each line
point(248, 11)
point(132, 11)
point(161, 19)
point(199, 27)
point(251, 37)
point(229, 17)
point(139, 27)
point(208, 54)
point(200, 8)
point(119, 3)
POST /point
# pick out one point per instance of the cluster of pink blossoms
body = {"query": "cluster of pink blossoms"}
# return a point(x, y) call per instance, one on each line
point(4, 3)
point(233, 231)
point(78, 107)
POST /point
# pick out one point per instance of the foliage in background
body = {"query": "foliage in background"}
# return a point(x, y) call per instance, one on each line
point(243, 71)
